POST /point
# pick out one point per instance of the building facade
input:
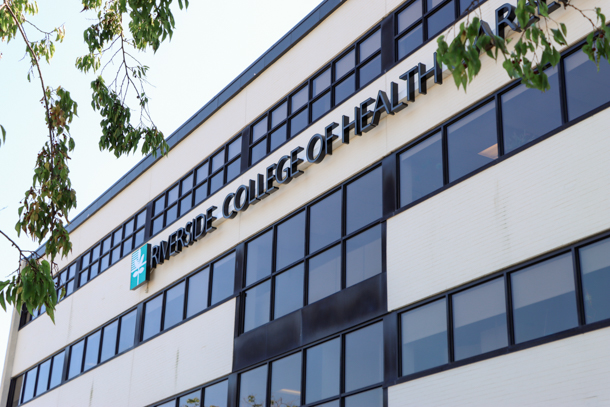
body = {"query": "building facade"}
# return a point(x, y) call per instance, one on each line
point(341, 226)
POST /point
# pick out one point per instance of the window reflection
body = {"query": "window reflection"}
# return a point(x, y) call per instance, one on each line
point(595, 268)
point(286, 381)
point(421, 169)
point(253, 387)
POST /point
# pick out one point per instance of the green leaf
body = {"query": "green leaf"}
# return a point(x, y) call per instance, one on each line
point(2, 301)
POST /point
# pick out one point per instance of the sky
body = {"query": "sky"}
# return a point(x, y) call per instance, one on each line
point(214, 41)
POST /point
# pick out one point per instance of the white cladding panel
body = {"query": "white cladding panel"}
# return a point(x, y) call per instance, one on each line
point(571, 372)
point(182, 358)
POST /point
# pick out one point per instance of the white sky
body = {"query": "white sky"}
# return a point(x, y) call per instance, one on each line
point(214, 41)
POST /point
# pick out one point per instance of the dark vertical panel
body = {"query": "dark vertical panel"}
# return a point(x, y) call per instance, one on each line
point(245, 149)
point(233, 389)
point(388, 169)
point(240, 266)
point(580, 305)
point(147, 225)
point(387, 43)
point(390, 348)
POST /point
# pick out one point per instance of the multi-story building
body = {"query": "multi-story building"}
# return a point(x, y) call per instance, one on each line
point(341, 226)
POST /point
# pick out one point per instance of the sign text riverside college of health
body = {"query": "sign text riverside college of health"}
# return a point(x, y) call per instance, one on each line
point(366, 117)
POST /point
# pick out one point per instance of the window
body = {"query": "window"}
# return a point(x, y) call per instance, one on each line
point(198, 287)
point(259, 256)
point(109, 341)
point(441, 19)
point(595, 269)
point(57, 370)
point(223, 277)
point(586, 88)
point(64, 280)
point(30, 385)
point(127, 331)
point(76, 359)
point(479, 319)
point(323, 371)
point(289, 291)
point(363, 256)
point(424, 337)
point(216, 395)
point(43, 377)
point(364, 357)
point(190, 400)
point(92, 350)
point(290, 241)
point(253, 387)
point(366, 399)
point(421, 169)
point(17, 391)
point(544, 301)
point(152, 317)
point(324, 274)
point(364, 200)
point(325, 222)
point(286, 381)
point(257, 307)
point(174, 305)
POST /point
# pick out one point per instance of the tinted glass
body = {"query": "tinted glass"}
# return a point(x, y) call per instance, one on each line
point(174, 305)
point(253, 387)
point(257, 306)
point(172, 195)
point(409, 15)
point(139, 238)
point(277, 138)
point(152, 317)
point(286, 381)
point(106, 243)
point(472, 141)
point(430, 4)
point(83, 278)
point(258, 151)
point(259, 255)
point(370, 70)
point(170, 216)
point(323, 371)
point(168, 404)
point(364, 357)
point(70, 287)
point(76, 359)
point(479, 319)
point(218, 160)
point(320, 106)
point(201, 193)
point(334, 403)
point(320, 82)
point(586, 88)
point(17, 391)
point(298, 99)
point(290, 241)
point(421, 169)
point(127, 246)
point(371, 398)
point(259, 129)
point(235, 148)
point(93, 349)
point(58, 368)
point(43, 377)
point(190, 400)
point(95, 252)
point(298, 123)
point(185, 204)
point(157, 225)
point(544, 301)
point(223, 278)
point(345, 89)
point(441, 19)
point(345, 64)
point(216, 182)
point(424, 337)
point(187, 184)
point(116, 254)
point(325, 274)
point(216, 395)
point(364, 200)
point(529, 113)
point(325, 222)
point(363, 256)
point(202, 172)
point(109, 341)
point(30, 385)
point(289, 291)
point(198, 292)
point(370, 45)
point(128, 331)
point(408, 42)
point(279, 114)
point(233, 170)
point(595, 268)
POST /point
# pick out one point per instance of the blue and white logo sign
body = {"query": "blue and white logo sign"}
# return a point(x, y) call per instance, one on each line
point(140, 266)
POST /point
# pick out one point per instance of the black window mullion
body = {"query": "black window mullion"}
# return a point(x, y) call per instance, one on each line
point(210, 282)
point(387, 43)
point(268, 398)
point(562, 91)
point(509, 309)
point(499, 127)
point(580, 306)
point(163, 306)
point(445, 151)
point(100, 346)
point(449, 308)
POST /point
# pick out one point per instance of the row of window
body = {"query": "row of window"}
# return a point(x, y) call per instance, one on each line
point(210, 396)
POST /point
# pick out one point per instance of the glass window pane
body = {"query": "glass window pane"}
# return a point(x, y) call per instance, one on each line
point(159, 205)
point(345, 89)
point(233, 170)
point(369, 46)
point(441, 19)
point(202, 172)
point(430, 4)
point(17, 391)
point(279, 114)
point(174, 306)
point(371, 398)
point(223, 278)
point(171, 215)
point(257, 306)
point(363, 256)
point(421, 169)
point(172, 195)
point(106, 245)
point(234, 148)
point(109, 341)
point(216, 395)
point(370, 70)
point(298, 99)
point(408, 42)
point(409, 15)
point(364, 357)
point(83, 278)
point(30, 385)
point(185, 204)
point(529, 113)
point(157, 225)
point(325, 222)
point(320, 82)
point(43, 377)
point(201, 193)
point(84, 263)
point(127, 246)
point(472, 141)
point(298, 122)
point(424, 337)
point(253, 387)
point(334, 403)
point(198, 292)
point(290, 241)
point(128, 331)
point(116, 237)
point(286, 381)
point(216, 182)
point(465, 5)
point(259, 255)
point(139, 239)
point(544, 301)
point(323, 371)
point(171, 403)
point(190, 400)
point(345, 64)
point(70, 288)
point(58, 368)
point(278, 137)
point(259, 129)
point(152, 317)
point(116, 254)
point(140, 220)
point(93, 349)
point(586, 88)
point(320, 107)
point(187, 184)
point(479, 319)
point(218, 160)
point(129, 227)
point(325, 274)
point(95, 254)
point(595, 268)
point(258, 151)
point(289, 291)
point(76, 359)
point(364, 200)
